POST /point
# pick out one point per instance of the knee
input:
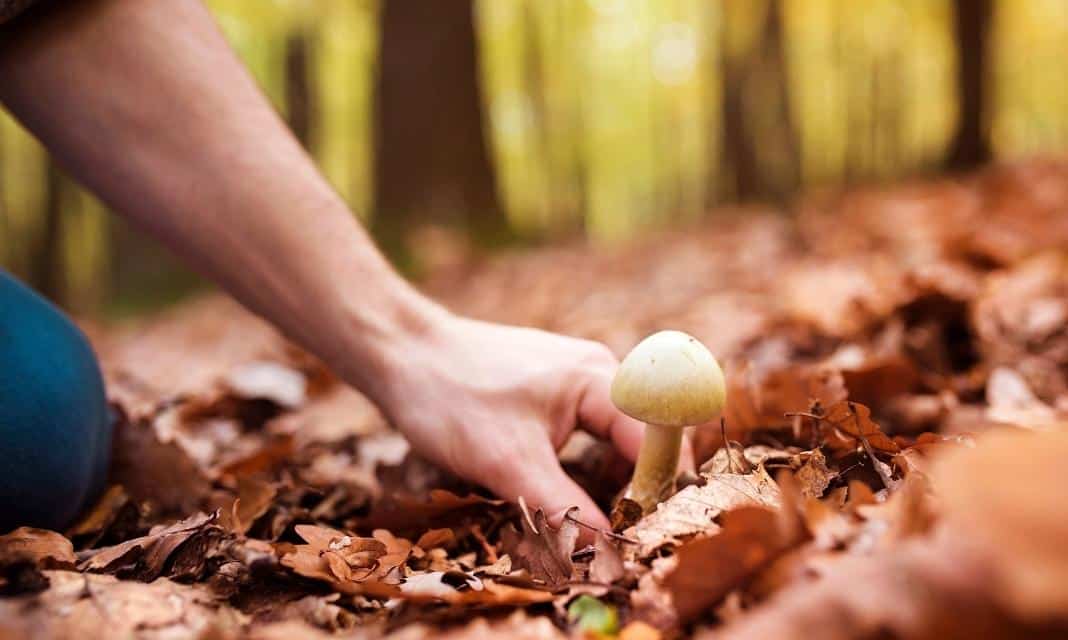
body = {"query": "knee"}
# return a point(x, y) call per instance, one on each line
point(55, 429)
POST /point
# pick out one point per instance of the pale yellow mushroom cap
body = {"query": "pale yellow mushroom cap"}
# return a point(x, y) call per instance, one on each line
point(670, 379)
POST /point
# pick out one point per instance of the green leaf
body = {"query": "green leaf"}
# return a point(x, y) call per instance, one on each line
point(593, 616)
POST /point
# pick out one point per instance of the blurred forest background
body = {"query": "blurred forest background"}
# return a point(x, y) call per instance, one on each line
point(511, 122)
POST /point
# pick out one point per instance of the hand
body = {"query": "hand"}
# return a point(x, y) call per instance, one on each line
point(494, 403)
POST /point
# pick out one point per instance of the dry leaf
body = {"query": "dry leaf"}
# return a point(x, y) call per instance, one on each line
point(44, 548)
point(695, 509)
point(1003, 496)
point(1012, 402)
point(95, 606)
point(146, 557)
point(540, 549)
point(607, 564)
point(708, 568)
point(267, 380)
point(847, 426)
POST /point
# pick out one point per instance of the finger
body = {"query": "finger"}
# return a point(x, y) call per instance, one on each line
point(599, 416)
point(547, 486)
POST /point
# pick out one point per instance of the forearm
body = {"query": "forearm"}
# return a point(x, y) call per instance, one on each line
point(147, 105)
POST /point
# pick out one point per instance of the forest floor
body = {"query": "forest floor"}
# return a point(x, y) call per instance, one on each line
point(897, 363)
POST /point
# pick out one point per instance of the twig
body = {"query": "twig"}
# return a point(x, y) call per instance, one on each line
point(796, 415)
point(491, 553)
point(887, 480)
point(606, 532)
point(726, 444)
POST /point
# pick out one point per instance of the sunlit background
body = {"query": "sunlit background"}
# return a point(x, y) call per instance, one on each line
point(600, 119)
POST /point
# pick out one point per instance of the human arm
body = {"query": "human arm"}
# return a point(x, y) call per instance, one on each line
point(146, 104)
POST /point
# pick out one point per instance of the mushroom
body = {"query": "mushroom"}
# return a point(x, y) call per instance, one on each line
point(668, 381)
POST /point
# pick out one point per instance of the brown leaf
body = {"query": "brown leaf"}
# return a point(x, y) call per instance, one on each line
point(436, 538)
point(114, 509)
point(441, 509)
point(341, 559)
point(814, 476)
point(46, 549)
point(462, 589)
point(921, 454)
point(319, 611)
point(540, 549)
point(254, 497)
point(761, 399)
point(1004, 498)
point(161, 473)
point(915, 592)
point(144, 558)
point(876, 379)
point(708, 568)
point(397, 552)
point(845, 427)
point(607, 564)
point(638, 630)
point(80, 605)
point(737, 459)
point(695, 509)
point(518, 626)
point(1011, 401)
point(844, 297)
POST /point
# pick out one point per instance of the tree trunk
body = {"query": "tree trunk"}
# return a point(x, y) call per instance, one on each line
point(738, 167)
point(970, 146)
point(761, 152)
point(299, 95)
point(47, 261)
point(432, 163)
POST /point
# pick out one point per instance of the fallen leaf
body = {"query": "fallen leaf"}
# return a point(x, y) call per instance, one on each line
point(708, 568)
point(254, 497)
point(436, 538)
point(441, 508)
point(343, 560)
point(46, 549)
point(638, 630)
point(761, 399)
point(846, 426)
point(269, 381)
point(158, 472)
point(1004, 498)
point(695, 509)
point(813, 475)
point(540, 549)
point(607, 564)
point(146, 557)
point(1011, 401)
point(113, 511)
point(80, 605)
point(518, 626)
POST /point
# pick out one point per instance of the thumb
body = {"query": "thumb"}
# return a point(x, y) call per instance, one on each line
point(600, 417)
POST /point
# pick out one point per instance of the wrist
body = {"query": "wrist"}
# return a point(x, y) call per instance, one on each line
point(385, 338)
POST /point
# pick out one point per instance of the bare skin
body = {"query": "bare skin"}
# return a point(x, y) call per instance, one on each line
point(145, 103)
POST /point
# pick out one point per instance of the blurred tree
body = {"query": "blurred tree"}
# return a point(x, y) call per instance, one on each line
point(431, 159)
point(761, 152)
point(46, 270)
point(972, 22)
point(300, 109)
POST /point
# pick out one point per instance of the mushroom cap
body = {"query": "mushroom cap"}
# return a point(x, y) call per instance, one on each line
point(670, 379)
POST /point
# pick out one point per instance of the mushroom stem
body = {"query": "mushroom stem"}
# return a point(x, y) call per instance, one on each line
point(658, 462)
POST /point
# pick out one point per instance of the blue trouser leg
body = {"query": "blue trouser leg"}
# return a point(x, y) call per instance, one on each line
point(55, 428)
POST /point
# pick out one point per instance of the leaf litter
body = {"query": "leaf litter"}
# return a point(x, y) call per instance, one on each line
point(889, 463)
